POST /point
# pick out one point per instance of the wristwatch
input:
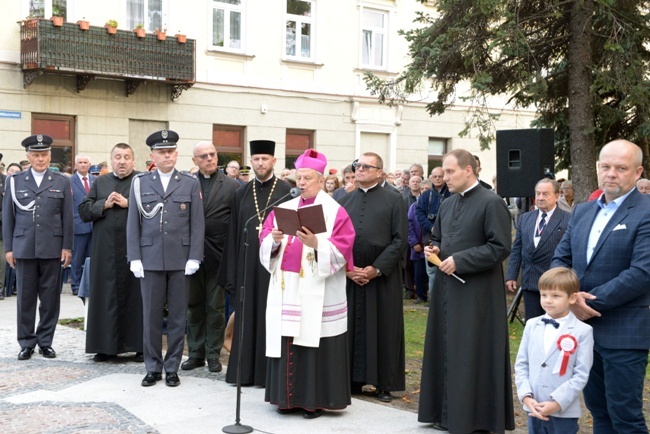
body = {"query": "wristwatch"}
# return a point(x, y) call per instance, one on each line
point(379, 274)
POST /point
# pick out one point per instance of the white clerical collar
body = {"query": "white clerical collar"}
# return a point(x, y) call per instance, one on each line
point(472, 186)
point(262, 182)
point(365, 190)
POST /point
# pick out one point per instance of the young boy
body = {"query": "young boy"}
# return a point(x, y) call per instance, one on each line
point(554, 357)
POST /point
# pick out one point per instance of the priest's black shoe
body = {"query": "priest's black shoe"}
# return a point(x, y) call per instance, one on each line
point(439, 427)
point(101, 357)
point(25, 353)
point(384, 396)
point(288, 410)
point(313, 414)
point(47, 352)
point(192, 363)
point(214, 365)
point(172, 380)
point(139, 358)
point(151, 378)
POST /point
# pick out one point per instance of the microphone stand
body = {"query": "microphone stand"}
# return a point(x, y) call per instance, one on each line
point(238, 428)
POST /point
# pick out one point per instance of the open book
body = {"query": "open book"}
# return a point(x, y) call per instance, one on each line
point(290, 221)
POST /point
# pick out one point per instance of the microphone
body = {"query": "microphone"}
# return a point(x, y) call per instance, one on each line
point(294, 192)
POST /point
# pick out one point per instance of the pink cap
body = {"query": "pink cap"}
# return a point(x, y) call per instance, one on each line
point(312, 159)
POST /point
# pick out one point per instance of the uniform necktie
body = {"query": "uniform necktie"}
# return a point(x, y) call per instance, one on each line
point(86, 186)
point(542, 225)
point(551, 321)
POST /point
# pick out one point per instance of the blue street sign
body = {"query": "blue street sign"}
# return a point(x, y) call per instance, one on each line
point(10, 115)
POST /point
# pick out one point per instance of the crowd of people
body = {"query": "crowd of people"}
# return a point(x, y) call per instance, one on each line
point(317, 311)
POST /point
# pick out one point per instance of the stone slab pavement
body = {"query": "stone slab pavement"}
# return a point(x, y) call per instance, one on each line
point(73, 394)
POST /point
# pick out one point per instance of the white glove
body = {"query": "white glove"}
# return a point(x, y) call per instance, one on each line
point(191, 267)
point(137, 269)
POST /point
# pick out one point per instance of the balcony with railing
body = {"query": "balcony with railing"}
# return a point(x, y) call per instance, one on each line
point(94, 53)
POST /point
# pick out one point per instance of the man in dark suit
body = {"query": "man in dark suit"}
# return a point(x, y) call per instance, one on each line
point(37, 231)
point(164, 237)
point(83, 232)
point(538, 234)
point(205, 311)
point(607, 243)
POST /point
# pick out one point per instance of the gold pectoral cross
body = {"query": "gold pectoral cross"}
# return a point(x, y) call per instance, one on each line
point(259, 230)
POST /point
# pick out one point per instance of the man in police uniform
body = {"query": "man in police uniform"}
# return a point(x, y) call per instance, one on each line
point(38, 233)
point(164, 237)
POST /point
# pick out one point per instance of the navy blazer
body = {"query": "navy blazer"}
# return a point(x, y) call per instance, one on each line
point(534, 261)
point(78, 195)
point(618, 273)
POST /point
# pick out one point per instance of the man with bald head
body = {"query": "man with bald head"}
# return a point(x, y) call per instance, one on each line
point(206, 304)
point(607, 243)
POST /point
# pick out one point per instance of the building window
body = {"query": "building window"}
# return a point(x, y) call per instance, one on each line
point(48, 8)
point(436, 150)
point(227, 24)
point(298, 141)
point(150, 13)
point(229, 141)
point(374, 38)
point(299, 39)
point(62, 130)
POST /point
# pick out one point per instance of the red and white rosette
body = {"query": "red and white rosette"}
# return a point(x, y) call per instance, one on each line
point(568, 345)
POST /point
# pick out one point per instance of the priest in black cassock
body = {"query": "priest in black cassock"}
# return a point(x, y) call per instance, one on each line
point(114, 323)
point(250, 200)
point(374, 287)
point(466, 381)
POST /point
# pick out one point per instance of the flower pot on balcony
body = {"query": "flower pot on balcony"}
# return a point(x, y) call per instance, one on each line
point(181, 38)
point(83, 24)
point(111, 30)
point(57, 21)
point(161, 35)
point(139, 32)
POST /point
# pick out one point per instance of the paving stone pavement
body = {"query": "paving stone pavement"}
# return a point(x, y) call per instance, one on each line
point(74, 394)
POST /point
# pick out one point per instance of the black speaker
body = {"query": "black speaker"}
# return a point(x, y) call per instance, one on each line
point(523, 158)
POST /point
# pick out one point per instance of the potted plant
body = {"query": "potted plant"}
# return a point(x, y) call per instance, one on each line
point(139, 30)
point(57, 21)
point(160, 34)
point(111, 26)
point(83, 24)
point(181, 38)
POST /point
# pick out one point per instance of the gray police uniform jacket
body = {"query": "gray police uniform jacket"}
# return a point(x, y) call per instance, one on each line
point(176, 232)
point(48, 229)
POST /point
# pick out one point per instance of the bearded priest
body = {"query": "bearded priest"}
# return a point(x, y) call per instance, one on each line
point(306, 314)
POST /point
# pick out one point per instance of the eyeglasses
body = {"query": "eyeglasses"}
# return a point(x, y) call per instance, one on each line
point(206, 156)
point(359, 166)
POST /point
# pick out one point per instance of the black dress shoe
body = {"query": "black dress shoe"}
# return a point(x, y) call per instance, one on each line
point(151, 378)
point(439, 427)
point(214, 365)
point(384, 396)
point(25, 353)
point(171, 379)
point(288, 410)
point(139, 358)
point(313, 414)
point(47, 352)
point(101, 357)
point(192, 363)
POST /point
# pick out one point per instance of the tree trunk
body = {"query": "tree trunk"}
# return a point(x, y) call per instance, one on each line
point(581, 110)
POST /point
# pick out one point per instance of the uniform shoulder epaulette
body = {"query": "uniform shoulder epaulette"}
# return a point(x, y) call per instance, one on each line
point(140, 174)
point(191, 175)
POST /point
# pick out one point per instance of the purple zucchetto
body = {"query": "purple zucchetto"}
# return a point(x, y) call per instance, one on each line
point(312, 159)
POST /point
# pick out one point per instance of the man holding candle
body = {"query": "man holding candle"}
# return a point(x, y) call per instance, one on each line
point(466, 384)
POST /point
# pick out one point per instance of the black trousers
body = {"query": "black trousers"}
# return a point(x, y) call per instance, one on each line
point(38, 280)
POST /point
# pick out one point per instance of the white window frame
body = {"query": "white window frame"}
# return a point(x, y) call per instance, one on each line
point(47, 8)
point(299, 20)
point(228, 9)
point(145, 6)
point(375, 31)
